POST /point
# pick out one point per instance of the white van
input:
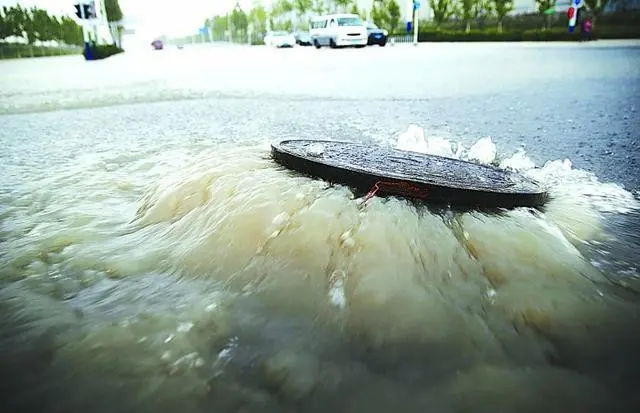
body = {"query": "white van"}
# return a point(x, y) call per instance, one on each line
point(338, 30)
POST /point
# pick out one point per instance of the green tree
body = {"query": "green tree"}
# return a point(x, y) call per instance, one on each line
point(302, 7)
point(114, 17)
point(56, 28)
point(38, 25)
point(442, 10)
point(219, 26)
point(342, 4)
point(484, 9)
point(42, 27)
point(258, 19)
point(15, 20)
point(29, 26)
point(71, 32)
point(113, 11)
point(9, 26)
point(502, 8)
point(318, 7)
point(286, 25)
point(469, 12)
point(239, 20)
point(4, 27)
point(379, 14)
point(393, 15)
point(279, 9)
point(596, 7)
point(258, 16)
point(545, 5)
point(386, 14)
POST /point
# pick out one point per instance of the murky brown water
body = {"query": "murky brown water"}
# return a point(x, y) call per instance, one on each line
point(154, 259)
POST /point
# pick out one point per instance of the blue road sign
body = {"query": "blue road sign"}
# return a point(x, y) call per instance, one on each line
point(409, 25)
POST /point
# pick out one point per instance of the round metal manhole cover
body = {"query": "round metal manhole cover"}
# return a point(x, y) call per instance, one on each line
point(359, 164)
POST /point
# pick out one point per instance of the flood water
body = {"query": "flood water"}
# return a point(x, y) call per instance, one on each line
point(153, 258)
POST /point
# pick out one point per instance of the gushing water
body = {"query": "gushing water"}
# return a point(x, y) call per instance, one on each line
point(235, 283)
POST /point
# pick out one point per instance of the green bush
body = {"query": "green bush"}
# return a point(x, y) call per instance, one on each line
point(99, 52)
point(490, 35)
point(623, 20)
point(550, 35)
point(617, 31)
point(20, 50)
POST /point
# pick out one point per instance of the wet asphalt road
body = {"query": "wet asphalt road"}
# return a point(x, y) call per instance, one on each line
point(575, 101)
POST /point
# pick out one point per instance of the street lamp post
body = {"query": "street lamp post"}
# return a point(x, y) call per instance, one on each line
point(416, 20)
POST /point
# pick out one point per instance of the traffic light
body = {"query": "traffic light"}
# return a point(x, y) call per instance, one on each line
point(85, 11)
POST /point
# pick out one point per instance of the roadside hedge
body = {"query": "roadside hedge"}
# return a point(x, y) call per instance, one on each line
point(19, 50)
point(554, 34)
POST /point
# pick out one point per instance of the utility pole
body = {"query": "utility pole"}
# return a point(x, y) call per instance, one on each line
point(416, 20)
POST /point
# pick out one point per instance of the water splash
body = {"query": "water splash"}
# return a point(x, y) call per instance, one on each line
point(563, 181)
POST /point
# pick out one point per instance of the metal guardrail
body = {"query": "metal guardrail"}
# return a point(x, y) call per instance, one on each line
point(399, 39)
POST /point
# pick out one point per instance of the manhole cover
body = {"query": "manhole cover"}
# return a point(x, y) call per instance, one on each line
point(434, 178)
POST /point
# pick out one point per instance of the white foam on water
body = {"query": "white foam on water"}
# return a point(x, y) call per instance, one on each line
point(577, 195)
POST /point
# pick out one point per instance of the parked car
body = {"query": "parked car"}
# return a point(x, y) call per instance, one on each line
point(280, 39)
point(338, 30)
point(376, 35)
point(303, 38)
